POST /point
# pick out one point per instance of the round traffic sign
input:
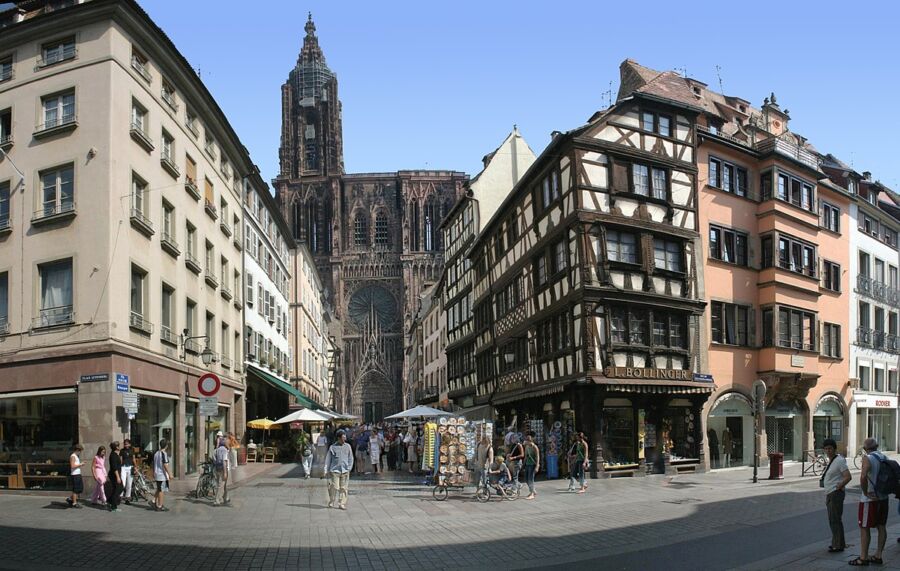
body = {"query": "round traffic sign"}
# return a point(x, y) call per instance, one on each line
point(208, 384)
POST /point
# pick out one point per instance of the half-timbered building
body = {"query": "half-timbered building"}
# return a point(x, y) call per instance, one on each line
point(586, 292)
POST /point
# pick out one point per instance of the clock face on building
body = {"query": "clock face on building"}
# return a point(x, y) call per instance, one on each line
point(372, 298)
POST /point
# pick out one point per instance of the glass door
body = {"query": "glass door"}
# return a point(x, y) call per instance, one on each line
point(190, 437)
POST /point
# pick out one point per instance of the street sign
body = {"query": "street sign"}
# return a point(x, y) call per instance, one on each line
point(95, 377)
point(122, 383)
point(702, 377)
point(209, 384)
point(130, 402)
point(209, 406)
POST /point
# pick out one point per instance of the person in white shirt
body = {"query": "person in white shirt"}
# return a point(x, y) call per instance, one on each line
point(222, 463)
point(75, 480)
point(834, 480)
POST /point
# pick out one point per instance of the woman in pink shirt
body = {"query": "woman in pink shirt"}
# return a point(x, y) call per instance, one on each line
point(99, 471)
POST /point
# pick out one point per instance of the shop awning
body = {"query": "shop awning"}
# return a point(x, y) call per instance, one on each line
point(541, 390)
point(669, 387)
point(282, 386)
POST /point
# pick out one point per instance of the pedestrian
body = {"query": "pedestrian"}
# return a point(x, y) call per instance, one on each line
point(127, 455)
point(374, 451)
point(834, 480)
point(484, 457)
point(532, 462)
point(514, 459)
point(383, 445)
point(713, 440)
point(99, 471)
point(114, 478)
point(233, 445)
point(222, 464)
point(304, 444)
point(578, 463)
point(410, 442)
point(338, 464)
point(75, 480)
point(362, 447)
point(161, 475)
point(873, 507)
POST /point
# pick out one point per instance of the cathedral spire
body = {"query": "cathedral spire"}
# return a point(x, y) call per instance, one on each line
point(311, 51)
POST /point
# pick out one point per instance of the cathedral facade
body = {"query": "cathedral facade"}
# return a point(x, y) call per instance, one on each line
point(375, 237)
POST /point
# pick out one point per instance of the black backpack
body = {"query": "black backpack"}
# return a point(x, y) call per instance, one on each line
point(888, 480)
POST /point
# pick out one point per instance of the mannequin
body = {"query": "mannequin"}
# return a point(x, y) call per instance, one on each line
point(726, 446)
point(713, 448)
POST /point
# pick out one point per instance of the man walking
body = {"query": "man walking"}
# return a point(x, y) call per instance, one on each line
point(873, 507)
point(338, 463)
point(161, 475)
point(222, 463)
point(127, 455)
point(834, 480)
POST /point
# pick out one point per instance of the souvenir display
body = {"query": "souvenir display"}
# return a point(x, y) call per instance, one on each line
point(428, 452)
point(457, 444)
point(443, 420)
point(536, 427)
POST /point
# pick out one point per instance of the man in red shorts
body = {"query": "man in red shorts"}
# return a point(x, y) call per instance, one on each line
point(873, 507)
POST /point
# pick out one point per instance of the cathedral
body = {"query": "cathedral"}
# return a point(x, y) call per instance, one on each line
point(375, 236)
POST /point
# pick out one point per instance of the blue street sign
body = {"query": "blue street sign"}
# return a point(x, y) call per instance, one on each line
point(121, 383)
point(703, 377)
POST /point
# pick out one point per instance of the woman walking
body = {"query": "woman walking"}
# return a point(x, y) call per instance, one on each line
point(532, 463)
point(98, 469)
point(374, 451)
point(113, 486)
point(411, 442)
point(577, 463)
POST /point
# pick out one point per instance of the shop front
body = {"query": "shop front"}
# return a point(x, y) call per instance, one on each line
point(828, 422)
point(786, 429)
point(37, 430)
point(876, 417)
point(154, 421)
point(729, 431)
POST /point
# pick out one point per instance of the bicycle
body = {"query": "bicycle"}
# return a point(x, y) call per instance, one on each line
point(814, 462)
point(508, 491)
point(141, 488)
point(857, 459)
point(207, 482)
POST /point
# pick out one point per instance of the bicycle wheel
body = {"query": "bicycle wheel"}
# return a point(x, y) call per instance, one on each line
point(440, 493)
point(482, 494)
point(511, 493)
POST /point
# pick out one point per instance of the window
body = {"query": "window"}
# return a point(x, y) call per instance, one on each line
point(209, 145)
point(832, 277)
point(223, 271)
point(553, 336)
point(765, 185)
point(191, 232)
point(541, 269)
point(168, 95)
point(4, 303)
point(55, 52)
point(58, 110)
point(728, 177)
point(56, 293)
point(209, 193)
point(140, 64)
point(210, 331)
point(655, 123)
point(210, 259)
point(831, 340)
point(796, 329)
point(513, 355)
point(640, 179)
point(190, 316)
point(648, 181)
point(728, 245)
point(637, 327)
point(879, 379)
point(6, 69)
point(633, 327)
point(793, 190)
point(667, 255)
point(830, 217)
point(730, 323)
point(668, 330)
point(559, 257)
point(167, 314)
point(660, 183)
point(621, 247)
point(168, 147)
point(5, 126)
point(864, 379)
point(138, 292)
point(796, 256)
point(190, 171)
point(361, 230)
point(892, 381)
point(190, 121)
point(57, 191)
point(381, 229)
point(4, 205)
point(509, 297)
point(139, 202)
point(138, 117)
point(169, 233)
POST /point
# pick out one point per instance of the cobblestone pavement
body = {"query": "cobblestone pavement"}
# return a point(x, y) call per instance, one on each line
point(278, 520)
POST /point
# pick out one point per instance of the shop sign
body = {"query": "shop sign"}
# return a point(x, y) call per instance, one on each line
point(130, 402)
point(209, 406)
point(875, 401)
point(96, 377)
point(651, 374)
point(122, 383)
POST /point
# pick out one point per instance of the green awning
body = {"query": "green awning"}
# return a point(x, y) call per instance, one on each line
point(302, 399)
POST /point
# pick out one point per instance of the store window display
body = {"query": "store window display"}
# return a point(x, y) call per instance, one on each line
point(730, 432)
point(785, 421)
point(828, 422)
point(617, 427)
point(154, 421)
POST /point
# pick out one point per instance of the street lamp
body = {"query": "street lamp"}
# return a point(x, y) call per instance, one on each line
point(759, 409)
point(207, 356)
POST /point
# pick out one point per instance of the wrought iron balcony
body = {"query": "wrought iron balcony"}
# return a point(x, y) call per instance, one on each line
point(169, 98)
point(5, 225)
point(54, 316)
point(139, 322)
point(141, 137)
point(191, 187)
point(879, 340)
point(211, 209)
point(4, 326)
point(141, 223)
point(192, 263)
point(53, 126)
point(166, 336)
point(142, 68)
point(167, 163)
point(51, 57)
point(53, 211)
point(877, 290)
point(169, 244)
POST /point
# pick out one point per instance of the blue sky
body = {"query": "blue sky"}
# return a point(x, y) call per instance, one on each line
point(440, 85)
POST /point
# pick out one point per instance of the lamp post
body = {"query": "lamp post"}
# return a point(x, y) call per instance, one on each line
point(207, 356)
point(759, 409)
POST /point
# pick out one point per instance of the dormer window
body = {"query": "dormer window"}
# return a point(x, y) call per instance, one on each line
point(851, 186)
point(656, 123)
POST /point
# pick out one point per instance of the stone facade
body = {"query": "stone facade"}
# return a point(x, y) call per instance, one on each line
point(374, 236)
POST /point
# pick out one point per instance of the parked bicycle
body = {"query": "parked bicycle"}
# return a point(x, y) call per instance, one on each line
point(206, 483)
point(141, 488)
point(814, 462)
point(857, 459)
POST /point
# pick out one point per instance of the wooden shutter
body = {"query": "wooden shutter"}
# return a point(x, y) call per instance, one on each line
point(208, 191)
point(620, 182)
point(190, 169)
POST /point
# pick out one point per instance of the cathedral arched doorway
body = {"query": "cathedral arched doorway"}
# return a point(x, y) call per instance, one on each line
point(373, 397)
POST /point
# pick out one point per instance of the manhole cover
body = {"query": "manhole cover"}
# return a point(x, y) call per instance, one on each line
point(269, 484)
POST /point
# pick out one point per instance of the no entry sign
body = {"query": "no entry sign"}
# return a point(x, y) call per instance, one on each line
point(208, 385)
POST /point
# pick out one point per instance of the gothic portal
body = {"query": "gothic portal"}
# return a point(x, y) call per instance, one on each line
point(374, 236)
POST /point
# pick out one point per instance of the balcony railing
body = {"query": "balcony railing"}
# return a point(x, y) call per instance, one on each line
point(5, 224)
point(169, 98)
point(169, 244)
point(192, 263)
point(141, 223)
point(167, 163)
point(140, 323)
point(142, 68)
point(56, 125)
point(53, 211)
point(877, 290)
point(211, 209)
point(226, 293)
point(797, 268)
point(51, 57)
point(141, 137)
point(54, 316)
point(166, 336)
point(787, 149)
point(6, 140)
point(191, 186)
point(785, 342)
point(211, 279)
point(876, 339)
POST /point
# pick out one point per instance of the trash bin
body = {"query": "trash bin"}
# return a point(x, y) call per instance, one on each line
point(776, 466)
point(242, 456)
point(552, 466)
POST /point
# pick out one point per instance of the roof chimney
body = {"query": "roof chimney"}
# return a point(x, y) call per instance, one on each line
point(867, 175)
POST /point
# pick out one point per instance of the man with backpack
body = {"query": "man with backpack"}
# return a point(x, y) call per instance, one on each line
point(221, 461)
point(878, 479)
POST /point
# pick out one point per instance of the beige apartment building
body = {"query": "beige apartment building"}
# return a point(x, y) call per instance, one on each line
point(120, 248)
point(309, 337)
